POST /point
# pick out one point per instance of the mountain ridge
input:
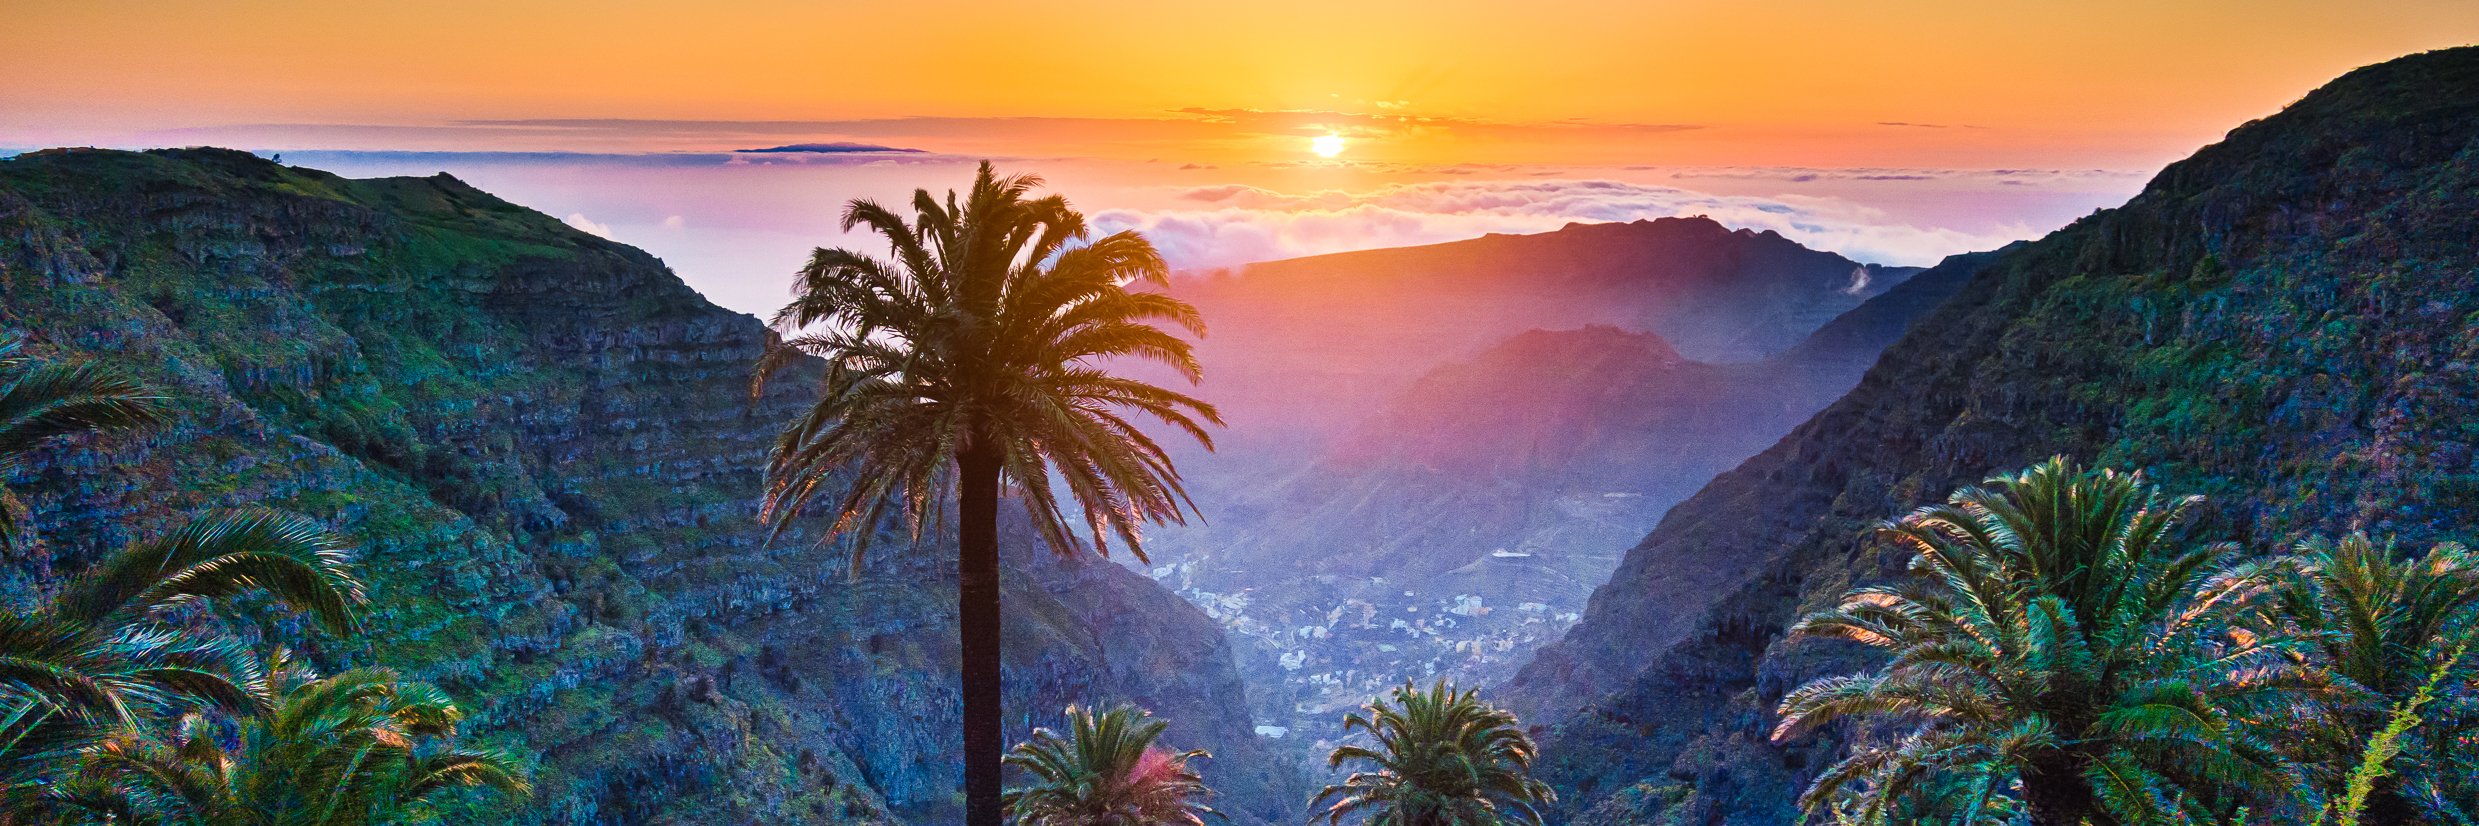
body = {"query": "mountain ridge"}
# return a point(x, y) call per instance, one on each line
point(2281, 322)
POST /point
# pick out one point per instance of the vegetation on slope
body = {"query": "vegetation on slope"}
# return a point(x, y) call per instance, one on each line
point(2282, 323)
point(491, 404)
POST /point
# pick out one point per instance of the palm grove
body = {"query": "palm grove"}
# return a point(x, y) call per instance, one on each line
point(2061, 651)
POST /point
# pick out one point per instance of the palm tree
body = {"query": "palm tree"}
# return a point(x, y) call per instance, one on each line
point(1958, 798)
point(41, 400)
point(102, 656)
point(1443, 758)
point(2387, 625)
point(2053, 635)
point(979, 358)
point(357, 749)
point(1106, 771)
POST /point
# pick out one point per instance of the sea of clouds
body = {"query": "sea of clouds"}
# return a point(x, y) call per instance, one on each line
point(1236, 224)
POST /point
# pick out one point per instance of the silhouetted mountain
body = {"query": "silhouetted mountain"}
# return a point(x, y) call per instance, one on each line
point(2284, 322)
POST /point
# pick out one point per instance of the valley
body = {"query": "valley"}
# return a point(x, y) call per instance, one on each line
point(1464, 436)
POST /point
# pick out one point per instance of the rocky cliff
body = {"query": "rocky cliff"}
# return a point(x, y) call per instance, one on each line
point(2285, 322)
point(544, 444)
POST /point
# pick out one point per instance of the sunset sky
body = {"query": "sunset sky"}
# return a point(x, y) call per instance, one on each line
point(1889, 131)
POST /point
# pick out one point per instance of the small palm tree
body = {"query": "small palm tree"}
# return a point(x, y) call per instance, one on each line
point(1106, 771)
point(2388, 625)
point(100, 657)
point(978, 358)
point(2054, 636)
point(42, 400)
point(1442, 758)
point(359, 748)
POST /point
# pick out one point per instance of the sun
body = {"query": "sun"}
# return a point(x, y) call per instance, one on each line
point(1327, 145)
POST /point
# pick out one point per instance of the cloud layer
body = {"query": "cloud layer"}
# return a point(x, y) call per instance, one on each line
point(1235, 224)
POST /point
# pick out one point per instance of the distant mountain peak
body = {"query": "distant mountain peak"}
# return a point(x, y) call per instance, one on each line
point(831, 148)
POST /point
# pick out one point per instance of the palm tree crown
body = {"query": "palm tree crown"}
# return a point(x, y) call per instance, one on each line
point(2054, 634)
point(988, 331)
point(1106, 771)
point(1442, 758)
point(2387, 624)
point(361, 747)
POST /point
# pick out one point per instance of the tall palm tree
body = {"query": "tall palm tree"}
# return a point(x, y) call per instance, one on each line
point(2055, 634)
point(360, 748)
point(101, 656)
point(2386, 624)
point(979, 357)
point(1106, 771)
point(1442, 758)
point(40, 400)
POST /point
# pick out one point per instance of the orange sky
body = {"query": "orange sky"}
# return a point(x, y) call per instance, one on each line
point(2117, 84)
point(1893, 132)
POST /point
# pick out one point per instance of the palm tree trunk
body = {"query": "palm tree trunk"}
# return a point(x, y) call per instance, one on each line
point(977, 605)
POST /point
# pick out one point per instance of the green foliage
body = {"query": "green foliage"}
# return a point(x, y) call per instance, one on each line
point(2387, 744)
point(1106, 771)
point(2393, 629)
point(2056, 635)
point(1442, 758)
point(359, 748)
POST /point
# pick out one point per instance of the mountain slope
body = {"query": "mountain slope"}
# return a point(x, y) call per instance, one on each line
point(1301, 348)
point(545, 445)
point(2284, 322)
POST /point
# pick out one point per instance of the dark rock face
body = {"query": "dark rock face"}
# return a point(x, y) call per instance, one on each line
point(546, 447)
point(2285, 322)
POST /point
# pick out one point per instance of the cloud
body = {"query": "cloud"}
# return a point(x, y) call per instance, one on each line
point(675, 222)
point(831, 148)
point(1236, 224)
point(1392, 121)
point(1184, 129)
point(588, 226)
point(1800, 174)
